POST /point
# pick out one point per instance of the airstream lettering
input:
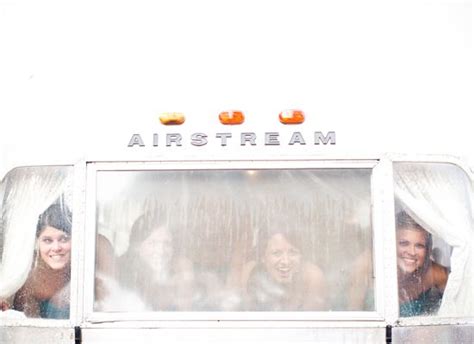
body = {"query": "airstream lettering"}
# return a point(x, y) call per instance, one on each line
point(250, 138)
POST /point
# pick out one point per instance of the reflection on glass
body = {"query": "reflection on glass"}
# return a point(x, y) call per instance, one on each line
point(230, 240)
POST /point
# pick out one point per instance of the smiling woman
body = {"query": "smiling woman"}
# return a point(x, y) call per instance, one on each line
point(282, 279)
point(54, 248)
point(45, 293)
point(421, 282)
point(35, 225)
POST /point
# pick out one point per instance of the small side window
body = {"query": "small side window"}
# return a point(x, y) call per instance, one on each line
point(434, 239)
point(35, 238)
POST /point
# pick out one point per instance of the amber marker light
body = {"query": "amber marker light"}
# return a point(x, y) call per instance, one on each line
point(291, 117)
point(172, 118)
point(231, 117)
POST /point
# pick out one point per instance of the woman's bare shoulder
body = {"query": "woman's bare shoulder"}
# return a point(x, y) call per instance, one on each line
point(313, 274)
point(315, 288)
point(440, 275)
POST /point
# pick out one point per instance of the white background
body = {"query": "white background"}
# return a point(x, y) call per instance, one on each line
point(388, 76)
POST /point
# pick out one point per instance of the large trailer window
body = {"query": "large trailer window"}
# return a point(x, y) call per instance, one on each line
point(234, 240)
point(36, 234)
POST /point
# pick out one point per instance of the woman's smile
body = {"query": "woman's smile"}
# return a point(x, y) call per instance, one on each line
point(54, 247)
point(411, 250)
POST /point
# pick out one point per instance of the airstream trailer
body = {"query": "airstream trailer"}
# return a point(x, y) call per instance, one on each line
point(240, 248)
point(236, 171)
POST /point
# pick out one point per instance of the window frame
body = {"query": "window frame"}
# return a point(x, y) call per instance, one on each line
point(2, 200)
point(76, 244)
point(91, 316)
point(383, 227)
point(425, 320)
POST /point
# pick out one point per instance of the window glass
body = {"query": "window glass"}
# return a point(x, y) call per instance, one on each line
point(36, 231)
point(434, 238)
point(234, 240)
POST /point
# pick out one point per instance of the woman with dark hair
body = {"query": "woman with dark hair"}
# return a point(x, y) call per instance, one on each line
point(154, 268)
point(280, 279)
point(158, 274)
point(145, 268)
point(421, 281)
point(45, 293)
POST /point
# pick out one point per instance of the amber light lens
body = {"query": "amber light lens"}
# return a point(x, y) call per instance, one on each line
point(231, 117)
point(172, 118)
point(291, 117)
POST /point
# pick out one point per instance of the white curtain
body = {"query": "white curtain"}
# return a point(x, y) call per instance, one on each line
point(439, 196)
point(29, 191)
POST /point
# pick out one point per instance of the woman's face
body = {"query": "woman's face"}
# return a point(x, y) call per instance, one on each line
point(54, 247)
point(157, 248)
point(282, 260)
point(411, 249)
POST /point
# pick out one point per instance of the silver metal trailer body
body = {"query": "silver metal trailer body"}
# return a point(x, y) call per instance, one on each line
point(340, 116)
point(117, 320)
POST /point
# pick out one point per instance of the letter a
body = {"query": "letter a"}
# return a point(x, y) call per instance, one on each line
point(136, 140)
